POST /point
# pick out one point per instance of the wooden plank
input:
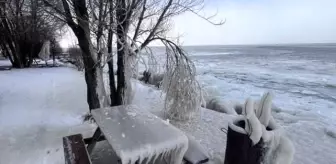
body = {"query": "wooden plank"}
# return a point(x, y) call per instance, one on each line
point(75, 151)
point(240, 149)
point(97, 134)
point(90, 140)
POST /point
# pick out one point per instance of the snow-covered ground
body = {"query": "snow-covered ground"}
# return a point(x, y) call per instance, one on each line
point(39, 106)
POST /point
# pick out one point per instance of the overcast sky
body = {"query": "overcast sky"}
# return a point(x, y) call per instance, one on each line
point(258, 22)
point(261, 22)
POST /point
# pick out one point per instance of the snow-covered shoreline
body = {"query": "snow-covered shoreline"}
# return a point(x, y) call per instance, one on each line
point(39, 106)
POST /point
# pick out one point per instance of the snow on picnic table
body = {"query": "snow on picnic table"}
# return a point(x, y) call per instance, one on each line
point(41, 105)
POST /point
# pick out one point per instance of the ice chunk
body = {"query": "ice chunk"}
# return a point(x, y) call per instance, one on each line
point(166, 121)
point(133, 114)
point(220, 106)
point(253, 126)
point(248, 107)
point(331, 132)
point(263, 111)
point(280, 150)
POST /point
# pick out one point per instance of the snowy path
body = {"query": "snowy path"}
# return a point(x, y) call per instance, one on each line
point(37, 108)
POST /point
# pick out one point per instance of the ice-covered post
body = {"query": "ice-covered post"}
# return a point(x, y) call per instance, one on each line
point(240, 149)
point(254, 137)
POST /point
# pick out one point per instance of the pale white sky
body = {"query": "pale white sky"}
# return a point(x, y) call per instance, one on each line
point(259, 22)
point(262, 22)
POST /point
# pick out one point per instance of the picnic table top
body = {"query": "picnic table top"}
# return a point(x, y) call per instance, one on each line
point(136, 133)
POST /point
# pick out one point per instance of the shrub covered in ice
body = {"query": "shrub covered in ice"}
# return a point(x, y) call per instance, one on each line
point(183, 93)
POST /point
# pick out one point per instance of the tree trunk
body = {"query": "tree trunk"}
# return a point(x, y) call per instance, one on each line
point(96, 96)
point(121, 46)
point(53, 56)
point(113, 91)
point(14, 50)
point(239, 147)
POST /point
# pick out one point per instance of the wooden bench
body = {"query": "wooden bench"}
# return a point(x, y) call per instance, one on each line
point(129, 129)
point(75, 151)
point(134, 132)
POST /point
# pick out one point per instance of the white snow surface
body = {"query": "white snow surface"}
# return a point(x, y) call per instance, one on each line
point(41, 105)
point(5, 63)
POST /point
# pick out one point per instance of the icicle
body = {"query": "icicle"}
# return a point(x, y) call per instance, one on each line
point(264, 108)
point(253, 126)
point(155, 157)
point(248, 107)
point(165, 149)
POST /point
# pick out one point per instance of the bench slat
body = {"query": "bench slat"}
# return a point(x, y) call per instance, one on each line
point(75, 151)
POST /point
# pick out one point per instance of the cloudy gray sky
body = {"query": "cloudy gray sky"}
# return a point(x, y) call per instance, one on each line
point(261, 22)
point(256, 22)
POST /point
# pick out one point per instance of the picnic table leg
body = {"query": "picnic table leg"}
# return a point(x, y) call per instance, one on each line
point(95, 138)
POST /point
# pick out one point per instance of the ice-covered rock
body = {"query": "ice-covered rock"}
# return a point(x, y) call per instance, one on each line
point(259, 124)
point(220, 106)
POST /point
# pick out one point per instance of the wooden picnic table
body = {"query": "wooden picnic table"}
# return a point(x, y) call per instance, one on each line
point(135, 135)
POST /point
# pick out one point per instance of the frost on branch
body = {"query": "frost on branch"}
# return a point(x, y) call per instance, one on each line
point(183, 93)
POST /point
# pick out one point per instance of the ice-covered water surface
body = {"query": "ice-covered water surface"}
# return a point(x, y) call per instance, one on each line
point(303, 78)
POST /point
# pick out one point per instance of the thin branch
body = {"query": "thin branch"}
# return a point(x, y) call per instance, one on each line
point(203, 17)
point(146, 42)
point(141, 18)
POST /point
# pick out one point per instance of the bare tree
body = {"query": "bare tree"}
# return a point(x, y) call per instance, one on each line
point(76, 14)
point(24, 27)
point(140, 22)
point(134, 24)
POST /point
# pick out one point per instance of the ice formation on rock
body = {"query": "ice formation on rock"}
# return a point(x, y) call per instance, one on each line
point(220, 106)
point(259, 124)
